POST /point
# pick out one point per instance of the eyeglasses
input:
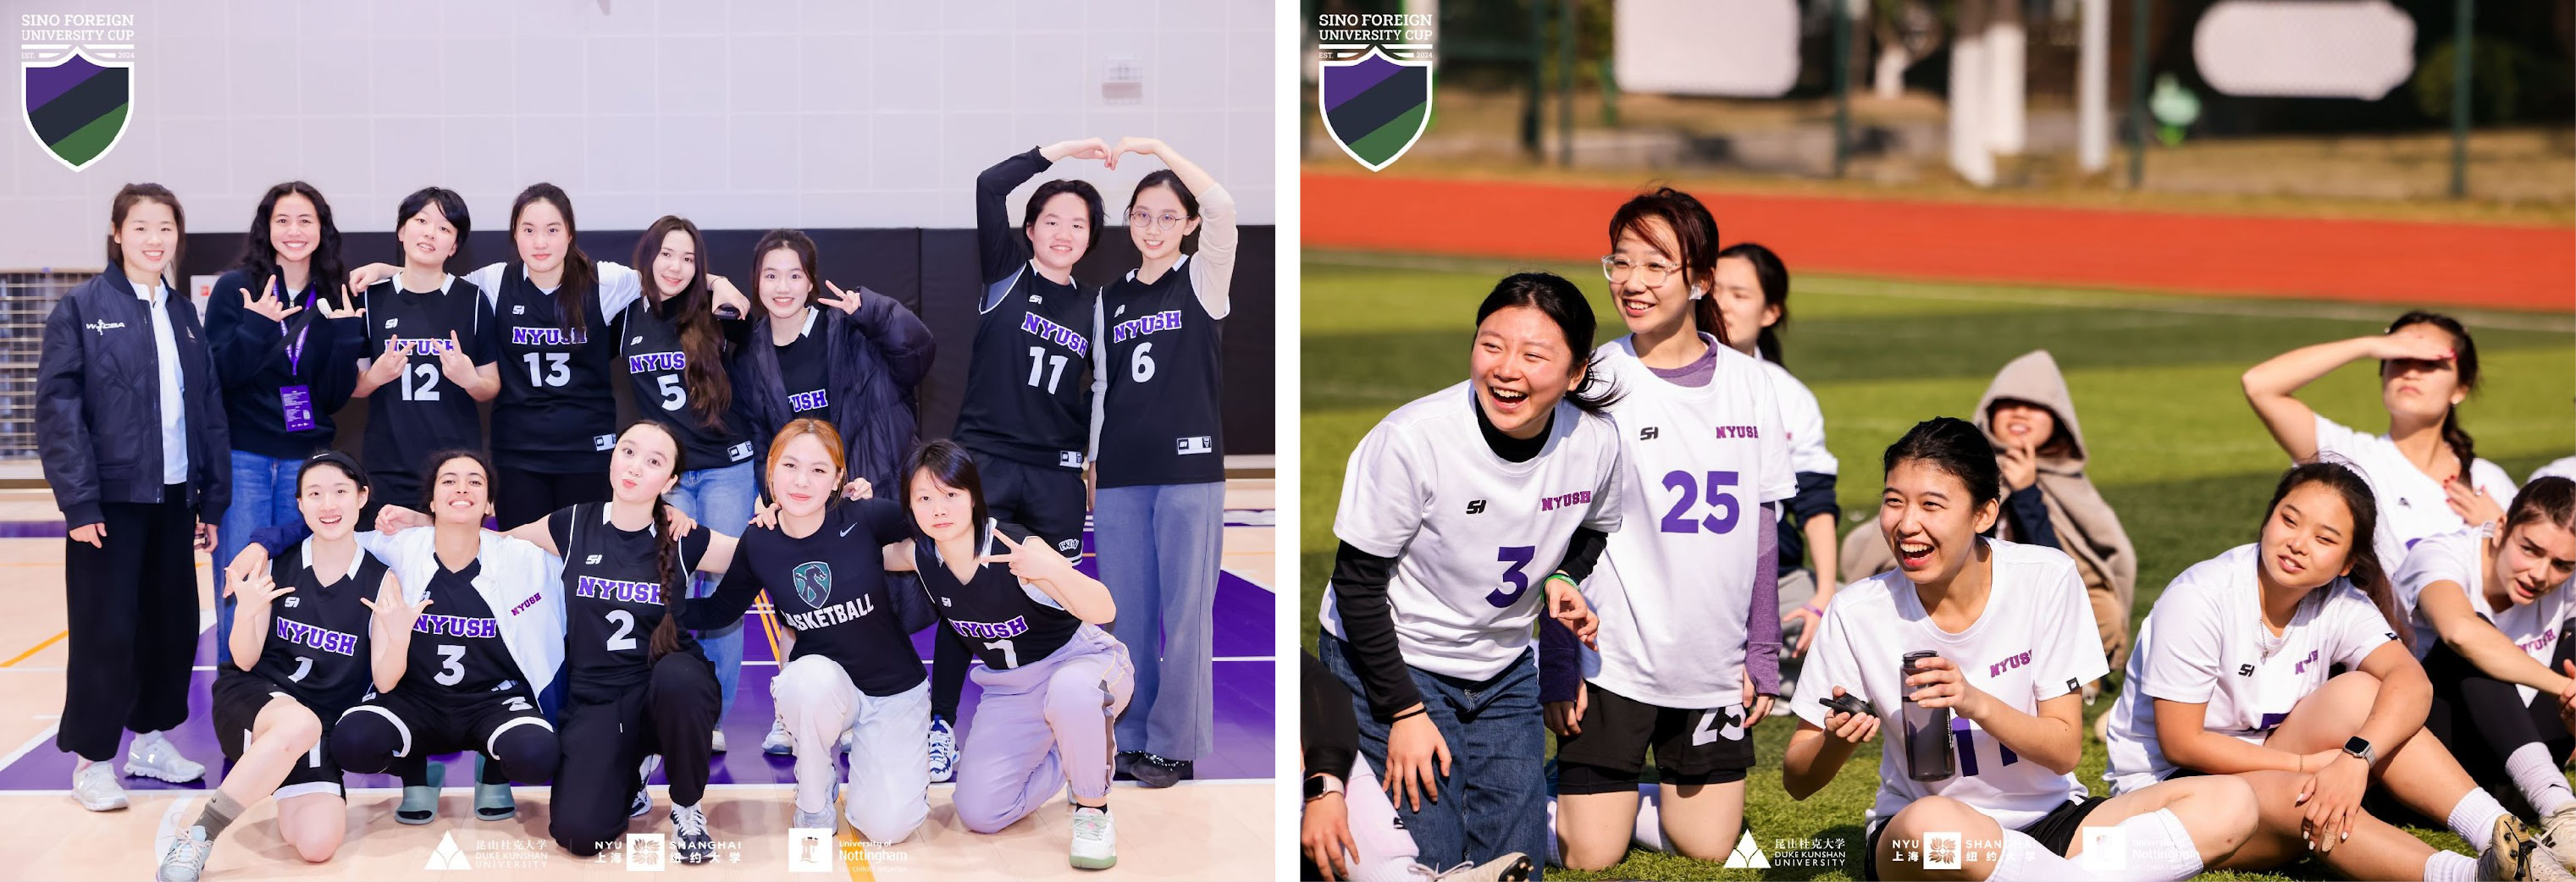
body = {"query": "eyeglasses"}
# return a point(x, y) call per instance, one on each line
point(1153, 222)
point(1617, 269)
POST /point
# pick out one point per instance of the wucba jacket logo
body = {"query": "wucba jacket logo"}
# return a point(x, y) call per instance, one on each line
point(77, 104)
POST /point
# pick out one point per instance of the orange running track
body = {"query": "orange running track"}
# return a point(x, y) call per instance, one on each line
point(2511, 267)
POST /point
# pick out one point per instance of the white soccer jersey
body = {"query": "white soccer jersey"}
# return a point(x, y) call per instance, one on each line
point(2564, 467)
point(2035, 641)
point(1802, 419)
point(1473, 535)
point(2411, 504)
point(1674, 588)
point(2205, 643)
point(2460, 558)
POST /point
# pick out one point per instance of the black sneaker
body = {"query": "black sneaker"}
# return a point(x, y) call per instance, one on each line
point(689, 823)
point(1154, 771)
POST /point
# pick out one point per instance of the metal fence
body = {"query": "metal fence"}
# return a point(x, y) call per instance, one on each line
point(25, 299)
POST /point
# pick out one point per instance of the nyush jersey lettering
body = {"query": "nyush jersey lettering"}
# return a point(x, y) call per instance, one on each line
point(2205, 643)
point(1473, 534)
point(1161, 419)
point(657, 370)
point(316, 648)
point(1027, 393)
point(457, 642)
point(2035, 641)
point(554, 385)
point(423, 411)
point(1006, 622)
point(614, 597)
point(2460, 558)
point(1674, 589)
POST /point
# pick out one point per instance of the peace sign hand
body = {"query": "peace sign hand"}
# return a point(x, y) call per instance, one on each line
point(1030, 560)
point(275, 310)
point(388, 366)
point(353, 311)
point(396, 615)
point(845, 301)
point(452, 361)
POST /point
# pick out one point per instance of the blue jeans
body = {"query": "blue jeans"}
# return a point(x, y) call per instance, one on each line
point(1494, 799)
point(720, 499)
point(263, 496)
point(1160, 547)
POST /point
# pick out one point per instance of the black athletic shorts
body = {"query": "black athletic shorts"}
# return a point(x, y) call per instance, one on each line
point(2056, 830)
point(238, 697)
point(1691, 746)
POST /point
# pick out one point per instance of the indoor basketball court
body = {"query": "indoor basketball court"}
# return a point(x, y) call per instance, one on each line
point(1216, 826)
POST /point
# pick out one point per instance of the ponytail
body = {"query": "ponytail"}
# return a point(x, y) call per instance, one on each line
point(2459, 441)
point(675, 585)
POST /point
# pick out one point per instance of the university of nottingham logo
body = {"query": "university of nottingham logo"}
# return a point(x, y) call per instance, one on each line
point(1374, 83)
point(76, 79)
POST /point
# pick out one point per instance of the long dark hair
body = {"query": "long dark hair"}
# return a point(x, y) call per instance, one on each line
point(948, 463)
point(795, 241)
point(1563, 303)
point(2464, 352)
point(2550, 500)
point(126, 197)
point(1774, 277)
point(1189, 203)
point(666, 552)
point(710, 395)
point(578, 275)
point(2368, 573)
point(259, 256)
point(1955, 446)
point(1090, 199)
point(1695, 242)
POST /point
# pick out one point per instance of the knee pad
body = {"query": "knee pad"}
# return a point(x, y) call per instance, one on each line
point(527, 752)
point(365, 741)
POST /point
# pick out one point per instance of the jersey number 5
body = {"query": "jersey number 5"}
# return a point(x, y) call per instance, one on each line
point(1679, 519)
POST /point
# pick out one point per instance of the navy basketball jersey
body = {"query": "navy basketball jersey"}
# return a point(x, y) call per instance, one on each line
point(1028, 390)
point(614, 598)
point(657, 369)
point(1005, 622)
point(556, 412)
point(1160, 423)
point(423, 412)
point(456, 645)
point(316, 649)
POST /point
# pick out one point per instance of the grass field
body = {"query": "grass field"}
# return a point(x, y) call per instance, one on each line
point(2174, 447)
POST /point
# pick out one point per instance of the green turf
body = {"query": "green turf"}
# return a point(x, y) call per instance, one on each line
point(2174, 448)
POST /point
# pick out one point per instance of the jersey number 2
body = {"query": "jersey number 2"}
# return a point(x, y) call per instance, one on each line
point(621, 641)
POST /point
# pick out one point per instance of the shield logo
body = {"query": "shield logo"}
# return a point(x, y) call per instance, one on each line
point(77, 105)
point(813, 582)
point(1376, 106)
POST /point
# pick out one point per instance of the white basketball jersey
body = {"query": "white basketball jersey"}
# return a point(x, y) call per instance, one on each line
point(2034, 641)
point(1675, 586)
point(1473, 535)
point(2460, 558)
point(2205, 643)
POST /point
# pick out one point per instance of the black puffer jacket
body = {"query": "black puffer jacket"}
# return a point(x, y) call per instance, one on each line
point(875, 358)
point(98, 403)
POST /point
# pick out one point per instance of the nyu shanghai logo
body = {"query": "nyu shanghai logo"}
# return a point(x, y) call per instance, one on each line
point(1373, 82)
point(77, 75)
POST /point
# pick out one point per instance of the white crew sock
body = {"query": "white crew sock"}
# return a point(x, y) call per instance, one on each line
point(2539, 779)
point(2474, 818)
point(2025, 860)
point(2158, 848)
point(1555, 847)
point(1650, 819)
point(2450, 866)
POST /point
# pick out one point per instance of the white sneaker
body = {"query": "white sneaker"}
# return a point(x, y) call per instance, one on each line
point(152, 756)
point(643, 800)
point(718, 741)
point(777, 743)
point(1095, 839)
point(689, 829)
point(822, 819)
point(185, 860)
point(943, 750)
point(1513, 867)
point(94, 787)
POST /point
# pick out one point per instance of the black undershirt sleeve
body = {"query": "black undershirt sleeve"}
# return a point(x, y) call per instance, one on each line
point(1368, 623)
point(1330, 729)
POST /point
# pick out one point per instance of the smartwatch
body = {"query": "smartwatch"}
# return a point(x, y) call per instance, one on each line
point(2360, 749)
point(1320, 784)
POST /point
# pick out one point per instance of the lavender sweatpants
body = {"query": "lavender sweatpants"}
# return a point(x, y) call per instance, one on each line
point(1042, 726)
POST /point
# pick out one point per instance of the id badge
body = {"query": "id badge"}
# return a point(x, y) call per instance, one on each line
point(297, 403)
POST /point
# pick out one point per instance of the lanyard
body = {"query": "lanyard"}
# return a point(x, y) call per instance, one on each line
point(295, 351)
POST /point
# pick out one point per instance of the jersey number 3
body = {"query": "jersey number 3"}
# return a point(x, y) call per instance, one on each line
point(1515, 581)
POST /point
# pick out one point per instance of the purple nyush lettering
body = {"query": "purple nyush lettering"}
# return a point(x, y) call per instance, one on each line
point(1552, 503)
point(301, 634)
point(1055, 333)
point(548, 337)
point(1739, 431)
point(807, 401)
point(652, 362)
point(1017, 626)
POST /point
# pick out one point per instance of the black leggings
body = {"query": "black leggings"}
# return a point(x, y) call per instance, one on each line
point(674, 715)
point(2484, 720)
